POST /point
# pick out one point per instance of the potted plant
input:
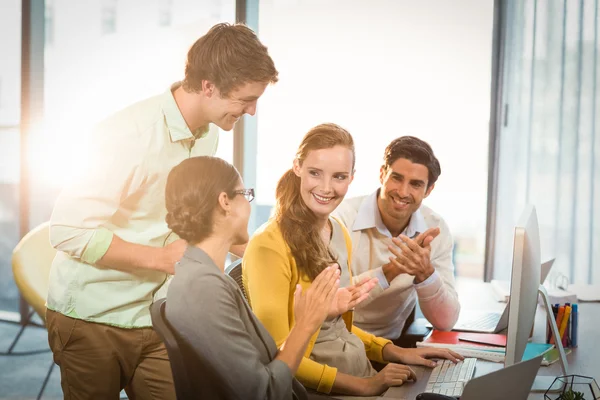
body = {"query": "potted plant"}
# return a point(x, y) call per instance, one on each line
point(571, 395)
point(573, 387)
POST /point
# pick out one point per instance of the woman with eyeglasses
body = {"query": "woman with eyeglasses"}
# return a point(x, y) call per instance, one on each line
point(234, 355)
point(299, 242)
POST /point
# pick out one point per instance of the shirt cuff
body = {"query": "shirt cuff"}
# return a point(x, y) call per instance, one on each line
point(98, 246)
point(327, 379)
point(429, 281)
point(429, 287)
point(383, 283)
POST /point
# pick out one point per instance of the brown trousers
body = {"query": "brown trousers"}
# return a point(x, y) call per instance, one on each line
point(97, 361)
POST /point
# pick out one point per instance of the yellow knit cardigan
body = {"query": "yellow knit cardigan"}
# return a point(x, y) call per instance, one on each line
point(270, 276)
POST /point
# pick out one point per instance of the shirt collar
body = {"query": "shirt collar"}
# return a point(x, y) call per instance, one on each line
point(368, 216)
point(416, 224)
point(178, 129)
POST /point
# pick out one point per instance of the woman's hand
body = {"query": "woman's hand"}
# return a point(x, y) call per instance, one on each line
point(311, 308)
point(391, 375)
point(349, 297)
point(419, 356)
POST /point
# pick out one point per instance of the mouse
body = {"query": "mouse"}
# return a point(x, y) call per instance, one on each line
point(434, 396)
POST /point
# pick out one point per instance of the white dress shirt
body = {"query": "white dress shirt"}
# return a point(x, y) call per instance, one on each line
point(385, 312)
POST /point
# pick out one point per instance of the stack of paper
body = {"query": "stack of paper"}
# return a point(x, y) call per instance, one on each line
point(485, 346)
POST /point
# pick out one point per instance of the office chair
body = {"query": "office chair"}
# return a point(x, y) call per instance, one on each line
point(183, 387)
point(182, 357)
point(415, 330)
point(31, 262)
point(234, 270)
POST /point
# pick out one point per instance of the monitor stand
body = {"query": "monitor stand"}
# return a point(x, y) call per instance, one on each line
point(543, 383)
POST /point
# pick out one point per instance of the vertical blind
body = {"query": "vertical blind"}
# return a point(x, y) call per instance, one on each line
point(548, 139)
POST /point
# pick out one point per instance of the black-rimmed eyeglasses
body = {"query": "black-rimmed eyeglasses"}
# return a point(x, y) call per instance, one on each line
point(247, 193)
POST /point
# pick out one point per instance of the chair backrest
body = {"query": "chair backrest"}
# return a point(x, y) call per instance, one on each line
point(31, 262)
point(183, 387)
point(234, 270)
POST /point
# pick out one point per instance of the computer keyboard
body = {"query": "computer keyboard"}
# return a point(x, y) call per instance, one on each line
point(449, 379)
point(481, 322)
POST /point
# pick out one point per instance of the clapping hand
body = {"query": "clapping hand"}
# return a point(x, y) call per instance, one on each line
point(347, 298)
point(411, 256)
point(312, 307)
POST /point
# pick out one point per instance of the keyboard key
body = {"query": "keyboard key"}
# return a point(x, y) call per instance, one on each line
point(449, 378)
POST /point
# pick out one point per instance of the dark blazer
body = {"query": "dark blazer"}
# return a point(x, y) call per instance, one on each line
point(234, 352)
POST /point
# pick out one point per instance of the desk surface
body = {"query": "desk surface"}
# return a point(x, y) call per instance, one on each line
point(585, 360)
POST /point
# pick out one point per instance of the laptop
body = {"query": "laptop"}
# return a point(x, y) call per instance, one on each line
point(488, 321)
point(512, 382)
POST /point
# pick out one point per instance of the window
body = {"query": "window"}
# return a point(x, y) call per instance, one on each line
point(109, 16)
point(10, 99)
point(125, 63)
point(164, 12)
point(49, 22)
point(549, 143)
point(384, 69)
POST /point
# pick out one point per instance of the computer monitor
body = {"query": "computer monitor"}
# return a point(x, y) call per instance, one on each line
point(525, 282)
point(524, 290)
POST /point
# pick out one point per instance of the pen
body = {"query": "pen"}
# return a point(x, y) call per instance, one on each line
point(559, 318)
point(564, 324)
point(574, 327)
point(549, 328)
point(568, 333)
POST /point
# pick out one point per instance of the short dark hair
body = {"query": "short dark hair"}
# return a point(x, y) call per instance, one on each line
point(415, 150)
point(192, 194)
point(228, 55)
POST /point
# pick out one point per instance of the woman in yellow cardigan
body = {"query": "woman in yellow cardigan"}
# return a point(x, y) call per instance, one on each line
point(299, 242)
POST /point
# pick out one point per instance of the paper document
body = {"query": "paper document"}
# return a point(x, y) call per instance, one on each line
point(585, 292)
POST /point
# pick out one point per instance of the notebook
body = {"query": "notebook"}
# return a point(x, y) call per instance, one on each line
point(489, 339)
point(533, 350)
point(492, 341)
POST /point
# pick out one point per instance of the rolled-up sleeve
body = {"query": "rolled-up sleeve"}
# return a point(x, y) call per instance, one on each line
point(112, 172)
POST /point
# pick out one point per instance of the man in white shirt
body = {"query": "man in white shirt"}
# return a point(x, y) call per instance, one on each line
point(115, 249)
point(403, 243)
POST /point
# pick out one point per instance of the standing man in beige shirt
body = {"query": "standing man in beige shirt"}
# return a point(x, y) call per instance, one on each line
point(403, 243)
point(115, 249)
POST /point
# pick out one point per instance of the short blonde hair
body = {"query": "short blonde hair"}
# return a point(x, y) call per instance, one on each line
point(228, 55)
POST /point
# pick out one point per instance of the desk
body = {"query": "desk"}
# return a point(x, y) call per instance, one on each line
point(584, 360)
